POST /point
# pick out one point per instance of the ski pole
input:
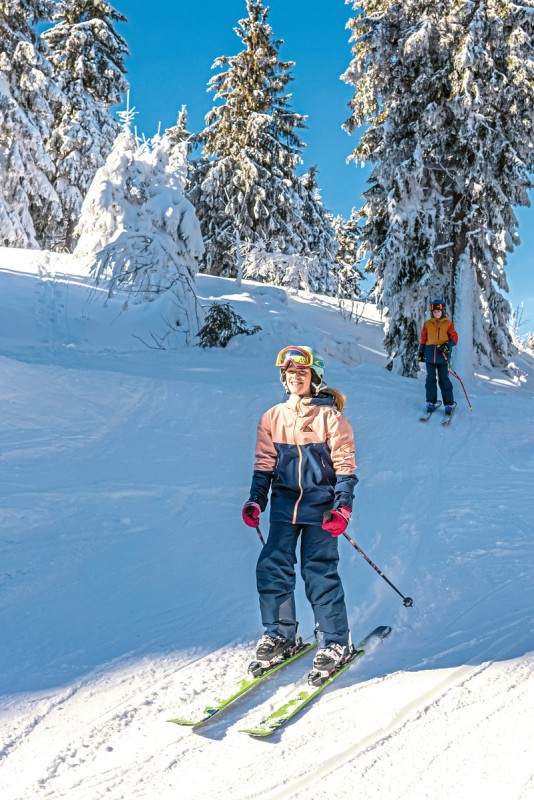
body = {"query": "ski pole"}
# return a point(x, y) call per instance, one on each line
point(262, 540)
point(458, 377)
point(408, 602)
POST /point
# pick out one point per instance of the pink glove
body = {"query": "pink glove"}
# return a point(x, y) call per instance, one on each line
point(336, 520)
point(251, 514)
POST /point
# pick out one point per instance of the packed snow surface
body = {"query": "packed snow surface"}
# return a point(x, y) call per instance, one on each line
point(127, 585)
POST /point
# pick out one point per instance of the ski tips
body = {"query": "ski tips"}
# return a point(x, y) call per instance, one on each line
point(257, 732)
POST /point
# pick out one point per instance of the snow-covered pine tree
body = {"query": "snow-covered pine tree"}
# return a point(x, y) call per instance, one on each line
point(141, 234)
point(294, 271)
point(179, 136)
point(88, 58)
point(179, 133)
point(29, 97)
point(248, 188)
point(116, 189)
point(347, 273)
point(181, 144)
point(318, 235)
point(446, 90)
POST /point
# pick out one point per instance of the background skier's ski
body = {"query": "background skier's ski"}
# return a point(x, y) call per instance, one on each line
point(448, 417)
point(426, 416)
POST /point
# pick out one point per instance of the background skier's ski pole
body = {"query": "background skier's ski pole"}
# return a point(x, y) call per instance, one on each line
point(406, 600)
point(458, 378)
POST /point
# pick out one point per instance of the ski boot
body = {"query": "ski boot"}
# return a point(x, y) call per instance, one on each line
point(271, 650)
point(327, 661)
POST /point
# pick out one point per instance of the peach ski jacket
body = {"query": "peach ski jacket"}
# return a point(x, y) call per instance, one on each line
point(305, 455)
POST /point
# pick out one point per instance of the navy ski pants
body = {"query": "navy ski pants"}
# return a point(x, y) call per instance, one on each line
point(275, 576)
point(445, 384)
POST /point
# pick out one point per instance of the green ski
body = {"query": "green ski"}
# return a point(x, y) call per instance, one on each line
point(303, 694)
point(244, 686)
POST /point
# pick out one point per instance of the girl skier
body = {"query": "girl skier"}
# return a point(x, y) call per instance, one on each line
point(305, 456)
point(438, 337)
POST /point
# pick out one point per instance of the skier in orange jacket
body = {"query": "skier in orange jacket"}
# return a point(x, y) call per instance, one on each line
point(438, 337)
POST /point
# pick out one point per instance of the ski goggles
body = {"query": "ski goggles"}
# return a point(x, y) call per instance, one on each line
point(437, 306)
point(298, 357)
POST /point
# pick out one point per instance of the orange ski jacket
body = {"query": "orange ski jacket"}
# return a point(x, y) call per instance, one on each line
point(436, 332)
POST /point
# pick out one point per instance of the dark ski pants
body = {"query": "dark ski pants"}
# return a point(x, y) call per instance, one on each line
point(445, 384)
point(275, 575)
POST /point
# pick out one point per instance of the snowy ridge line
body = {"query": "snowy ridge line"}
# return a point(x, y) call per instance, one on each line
point(412, 711)
point(59, 277)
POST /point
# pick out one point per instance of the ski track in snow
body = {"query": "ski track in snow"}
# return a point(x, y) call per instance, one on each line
point(127, 578)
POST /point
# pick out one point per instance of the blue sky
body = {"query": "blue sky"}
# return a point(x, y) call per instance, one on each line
point(174, 44)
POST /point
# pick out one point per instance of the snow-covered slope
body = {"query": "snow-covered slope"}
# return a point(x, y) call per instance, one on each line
point(127, 577)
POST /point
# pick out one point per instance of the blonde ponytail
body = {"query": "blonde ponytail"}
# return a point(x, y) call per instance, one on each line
point(339, 397)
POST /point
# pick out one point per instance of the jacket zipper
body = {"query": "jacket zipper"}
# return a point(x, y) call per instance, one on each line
point(300, 465)
point(438, 333)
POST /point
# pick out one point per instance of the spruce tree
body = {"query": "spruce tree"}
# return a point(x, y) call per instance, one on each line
point(29, 98)
point(312, 269)
point(247, 190)
point(88, 58)
point(347, 273)
point(181, 144)
point(445, 89)
point(222, 323)
point(318, 235)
